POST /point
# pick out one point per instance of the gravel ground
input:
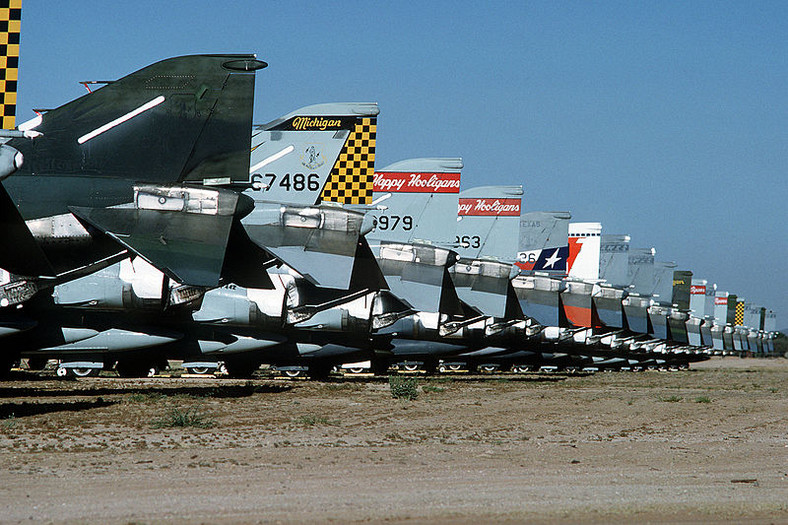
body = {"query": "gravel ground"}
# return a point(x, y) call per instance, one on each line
point(699, 446)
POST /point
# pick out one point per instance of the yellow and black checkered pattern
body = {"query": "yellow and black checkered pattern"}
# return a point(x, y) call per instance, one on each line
point(351, 178)
point(10, 24)
point(739, 318)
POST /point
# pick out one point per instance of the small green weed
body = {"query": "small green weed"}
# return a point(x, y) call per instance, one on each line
point(671, 399)
point(703, 399)
point(189, 417)
point(311, 420)
point(9, 422)
point(432, 389)
point(404, 387)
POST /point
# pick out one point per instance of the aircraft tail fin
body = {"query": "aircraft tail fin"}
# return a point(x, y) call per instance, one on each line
point(543, 242)
point(23, 255)
point(295, 157)
point(351, 178)
point(420, 197)
point(489, 222)
point(10, 24)
point(584, 250)
point(181, 119)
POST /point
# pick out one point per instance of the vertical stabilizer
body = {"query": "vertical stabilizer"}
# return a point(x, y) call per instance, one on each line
point(296, 157)
point(614, 259)
point(739, 313)
point(721, 308)
point(488, 222)
point(352, 176)
point(698, 297)
point(10, 24)
point(584, 245)
point(419, 198)
point(682, 287)
point(544, 242)
point(641, 270)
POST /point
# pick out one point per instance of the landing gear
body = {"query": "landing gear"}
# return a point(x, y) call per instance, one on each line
point(380, 367)
point(6, 364)
point(199, 370)
point(63, 371)
point(319, 372)
point(134, 368)
point(241, 368)
point(37, 363)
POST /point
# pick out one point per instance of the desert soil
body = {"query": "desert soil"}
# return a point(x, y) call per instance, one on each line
point(699, 446)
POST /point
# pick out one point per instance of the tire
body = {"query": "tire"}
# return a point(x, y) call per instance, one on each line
point(199, 370)
point(83, 372)
point(37, 363)
point(380, 367)
point(294, 373)
point(5, 367)
point(134, 369)
point(487, 369)
point(410, 367)
point(356, 370)
point(455, 368)
point(241, 369)
point(319, 373)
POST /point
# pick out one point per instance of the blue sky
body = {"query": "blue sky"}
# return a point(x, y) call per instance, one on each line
point(664, 120)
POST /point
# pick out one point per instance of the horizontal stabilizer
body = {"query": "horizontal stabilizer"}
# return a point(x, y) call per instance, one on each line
point(188, 248)
point(483, 285)
point(418, 275)
point(322, 243)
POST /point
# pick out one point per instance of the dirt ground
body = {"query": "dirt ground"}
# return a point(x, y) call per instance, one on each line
point(699, 446)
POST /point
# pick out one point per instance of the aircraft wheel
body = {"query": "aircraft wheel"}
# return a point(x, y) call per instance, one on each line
point(411, 367)
point(442, 369)
point(455, 368)
point(37, 363)
point(198, 370)
point(61, 372)
point(294, 373)
point(83, 372)
point(242, 369)
point(134, 369)
point(5, 366)
point(356, 370)
point(319, 373)
point(380, 367)
point(488, 369)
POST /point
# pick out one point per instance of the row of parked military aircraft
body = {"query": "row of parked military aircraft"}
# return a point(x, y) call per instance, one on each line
point(149, 220)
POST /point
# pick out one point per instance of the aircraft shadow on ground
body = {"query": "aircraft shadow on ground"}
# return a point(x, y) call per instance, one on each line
point(8, 410)
point(220, 391)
